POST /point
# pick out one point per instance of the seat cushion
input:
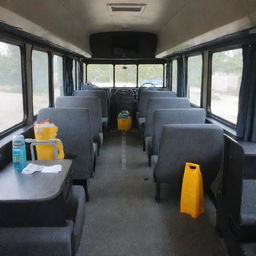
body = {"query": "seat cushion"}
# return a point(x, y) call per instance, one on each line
point(36, 241)
point(248, 249)
point(248, 207)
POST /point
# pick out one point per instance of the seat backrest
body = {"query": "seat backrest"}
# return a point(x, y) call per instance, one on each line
point(90, 103)
point(107, 90)
point(75, 133)
point(162, 103)
point(124, 100)
point(173, 116)
point(101, 94)
point(146, 95)
point(201, 144)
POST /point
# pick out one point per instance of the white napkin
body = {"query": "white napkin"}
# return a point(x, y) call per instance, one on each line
point(52, 169)
point(31, 168)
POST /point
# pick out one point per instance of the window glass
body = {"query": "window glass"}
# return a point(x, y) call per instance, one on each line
point(165, 75)
point(84, 70)
point(174, 75)
point(226, 80)
point(100, 74)
point(57, 76)
point(195, 65)
point(77, 75)
point(74, 74)
point(40, 76)
point(11, 103)
point(125, 75)
point(151, 73)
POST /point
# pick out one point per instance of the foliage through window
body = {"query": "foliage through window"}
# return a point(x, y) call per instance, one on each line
point(151, 73)
point(100, 74)
point(225, 83)
point(57, 76)
point(195, 65)
point(40, 75)
point(174, 75)
point(11, 103)
point(125, 75)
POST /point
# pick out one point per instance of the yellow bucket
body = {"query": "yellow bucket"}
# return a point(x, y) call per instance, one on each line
point(46, 152)
point(192, 194)
point(124, 124)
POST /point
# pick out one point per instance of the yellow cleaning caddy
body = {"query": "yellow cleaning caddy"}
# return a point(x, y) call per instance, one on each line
point(46, 131)
point(192, 194)
point(124, 121)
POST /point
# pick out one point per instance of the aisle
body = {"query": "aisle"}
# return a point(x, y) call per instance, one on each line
point(122, 218)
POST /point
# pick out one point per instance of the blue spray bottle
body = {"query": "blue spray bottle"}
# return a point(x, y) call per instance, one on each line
point(19, 156)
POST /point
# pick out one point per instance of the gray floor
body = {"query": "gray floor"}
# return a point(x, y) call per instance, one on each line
point(124, 220)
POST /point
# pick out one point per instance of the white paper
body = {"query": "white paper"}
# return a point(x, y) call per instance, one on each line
point(52, 169)
point(32, 168)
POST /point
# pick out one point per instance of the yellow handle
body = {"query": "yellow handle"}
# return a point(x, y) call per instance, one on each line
point(60, 150)
point(192, 166)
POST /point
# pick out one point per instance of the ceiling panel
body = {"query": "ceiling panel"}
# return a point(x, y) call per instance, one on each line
point(70, 22)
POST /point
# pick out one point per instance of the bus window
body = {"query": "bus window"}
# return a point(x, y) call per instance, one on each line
point(195, 65)
point(151, 73)
point(11, 104)
point(84, 70)
point(100, 74)
point(125, 75)
point(74, 74)
point(174, 75)
point(40, 74)
point(225, 83)
point(57, 76)
point(77, 75)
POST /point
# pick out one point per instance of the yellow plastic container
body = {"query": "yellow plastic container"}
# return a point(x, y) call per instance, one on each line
point(124, 124)
point(46, 152)
point(192, 194)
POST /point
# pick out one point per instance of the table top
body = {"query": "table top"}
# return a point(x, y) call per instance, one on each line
point(18, 187)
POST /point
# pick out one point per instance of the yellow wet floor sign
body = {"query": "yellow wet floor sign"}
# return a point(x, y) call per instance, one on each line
point(192, 194)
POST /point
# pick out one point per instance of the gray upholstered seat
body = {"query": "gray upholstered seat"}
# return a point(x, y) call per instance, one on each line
point(102, 95)
point(248, 209)
point(75, 133)
point(196, 143)
point(156, 103)
point(76, 213)
point(146, 95)
point(143, 101)
point(162, 117)
point(94, 107)
point(50, 241)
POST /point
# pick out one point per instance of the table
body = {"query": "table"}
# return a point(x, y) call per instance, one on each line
point(37, 199)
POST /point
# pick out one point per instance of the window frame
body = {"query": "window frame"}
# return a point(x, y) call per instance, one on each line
point(209, 82)
point(194, 54)
point(24, 90)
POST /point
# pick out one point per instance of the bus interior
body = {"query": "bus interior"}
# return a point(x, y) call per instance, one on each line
point(155, 107)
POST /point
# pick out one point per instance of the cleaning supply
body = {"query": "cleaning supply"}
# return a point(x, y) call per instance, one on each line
point(124, 121)
point(19, 156)
point(192, 194)
point(47, 131)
